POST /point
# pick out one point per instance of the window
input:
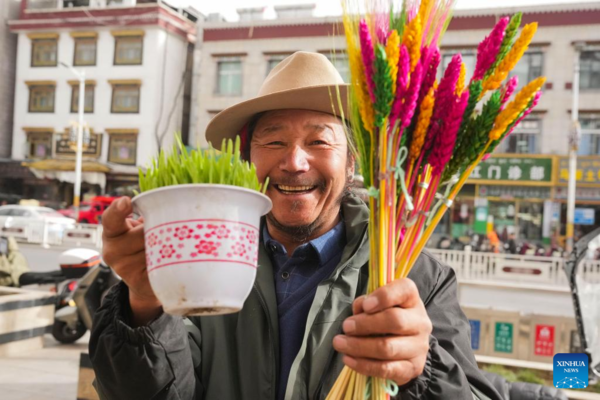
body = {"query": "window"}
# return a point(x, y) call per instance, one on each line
point(590, 70)
point(469, 57)
point(590, 135)
point(39, 144)
point(122, 146)
point(229, 76)
point(524, 139)
point(88, 106)
point(41, 97)
point(273, 60)
point(128, 47)
point(125, 97)
point(529, 67)
point(341, 63)
point(85, 51)
point(44, 48)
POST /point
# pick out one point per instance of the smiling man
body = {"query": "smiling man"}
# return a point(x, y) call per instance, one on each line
point(307, 315)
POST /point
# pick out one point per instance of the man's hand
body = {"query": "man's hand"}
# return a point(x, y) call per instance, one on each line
point(123, 249)
point(388, 335)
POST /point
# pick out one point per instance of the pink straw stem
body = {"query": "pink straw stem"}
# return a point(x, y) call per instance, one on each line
point(430, 197)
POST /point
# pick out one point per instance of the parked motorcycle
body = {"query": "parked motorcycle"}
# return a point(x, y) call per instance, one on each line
point(75, 316)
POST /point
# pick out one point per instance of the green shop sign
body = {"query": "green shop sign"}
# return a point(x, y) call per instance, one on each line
point(513, 169)
point(503, 339)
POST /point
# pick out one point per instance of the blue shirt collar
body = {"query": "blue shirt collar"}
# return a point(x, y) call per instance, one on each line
point(325, 246)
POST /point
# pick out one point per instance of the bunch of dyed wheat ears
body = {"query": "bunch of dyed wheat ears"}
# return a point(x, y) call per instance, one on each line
point(417, 139)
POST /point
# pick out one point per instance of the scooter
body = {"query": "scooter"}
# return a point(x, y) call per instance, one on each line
point(74, 318)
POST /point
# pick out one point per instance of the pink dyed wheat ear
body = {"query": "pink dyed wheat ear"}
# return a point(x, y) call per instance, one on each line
point(430, 61)
point(368, 56)
point(510, 88)
point(402, 83)
point(442, 151)
point(410, 101)
point(487, 50)
point(444, 100)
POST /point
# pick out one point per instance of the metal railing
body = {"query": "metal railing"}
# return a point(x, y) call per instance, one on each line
point(513, 268)
point(468, 265)
point(48, 233)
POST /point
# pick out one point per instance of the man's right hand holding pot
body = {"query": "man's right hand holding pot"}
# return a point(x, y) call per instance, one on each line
point(123, 249)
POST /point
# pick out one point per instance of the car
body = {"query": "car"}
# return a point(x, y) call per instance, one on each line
point(90, 212)
point(32, 223)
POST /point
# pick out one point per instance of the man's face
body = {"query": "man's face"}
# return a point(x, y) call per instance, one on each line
point(305, 155)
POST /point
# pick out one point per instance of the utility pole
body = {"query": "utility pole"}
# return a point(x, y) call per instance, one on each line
point(79, 149)
point(574, 137)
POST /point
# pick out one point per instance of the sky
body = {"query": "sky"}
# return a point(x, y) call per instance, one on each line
point(332, 7)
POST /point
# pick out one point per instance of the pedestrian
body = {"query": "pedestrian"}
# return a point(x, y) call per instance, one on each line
point(307, 315)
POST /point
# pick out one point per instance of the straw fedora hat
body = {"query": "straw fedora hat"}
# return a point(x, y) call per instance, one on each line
point(306, 81)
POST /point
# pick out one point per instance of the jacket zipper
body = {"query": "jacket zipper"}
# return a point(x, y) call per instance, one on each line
point(263, 303)
point(332, 356)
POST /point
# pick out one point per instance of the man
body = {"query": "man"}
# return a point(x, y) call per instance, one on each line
point(306, 316)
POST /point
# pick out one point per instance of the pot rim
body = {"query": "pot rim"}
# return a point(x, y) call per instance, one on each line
point(204, 186)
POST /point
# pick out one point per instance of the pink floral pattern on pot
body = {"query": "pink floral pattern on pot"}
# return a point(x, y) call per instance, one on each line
point(201, 241)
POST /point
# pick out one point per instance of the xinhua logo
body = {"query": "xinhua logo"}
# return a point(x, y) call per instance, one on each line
point(570, 371)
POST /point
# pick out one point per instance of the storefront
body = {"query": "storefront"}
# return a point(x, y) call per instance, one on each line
point(526, 195)
point(509, 193)
point(587, 195)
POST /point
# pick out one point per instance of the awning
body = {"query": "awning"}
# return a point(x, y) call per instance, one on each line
point(93, 172)
point(66, 165)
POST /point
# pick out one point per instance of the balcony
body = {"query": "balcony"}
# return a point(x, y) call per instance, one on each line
point(67, 4)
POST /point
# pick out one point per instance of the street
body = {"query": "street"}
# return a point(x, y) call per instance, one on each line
point(50, 373)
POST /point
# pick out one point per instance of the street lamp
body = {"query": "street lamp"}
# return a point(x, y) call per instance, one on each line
point(574, 137)
point(79, 151)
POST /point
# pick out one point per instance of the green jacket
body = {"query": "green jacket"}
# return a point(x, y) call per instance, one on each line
point(236, 356)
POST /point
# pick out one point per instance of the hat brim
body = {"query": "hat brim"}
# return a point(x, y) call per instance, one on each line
point(228, 123)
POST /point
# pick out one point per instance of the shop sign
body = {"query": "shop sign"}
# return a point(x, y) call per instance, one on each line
point(514, 192)
point(64, 149)
point(581, 193)
point(475, 333)
point(503, 339)
point(585, 216)
point(514, 169)
point(588, 170)
point(544, 340)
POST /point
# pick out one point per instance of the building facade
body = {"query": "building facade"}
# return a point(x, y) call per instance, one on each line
point(8, 47)
point(527, 196)
point(135, 57)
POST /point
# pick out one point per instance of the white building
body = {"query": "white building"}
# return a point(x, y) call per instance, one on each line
point(136, 60)
point(8, 47)
point(237, 56)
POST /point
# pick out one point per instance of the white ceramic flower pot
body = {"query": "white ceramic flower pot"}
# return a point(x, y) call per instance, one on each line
point(201, 245)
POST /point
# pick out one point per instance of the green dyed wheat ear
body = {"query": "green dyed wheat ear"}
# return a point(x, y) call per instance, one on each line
point(180, 167)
